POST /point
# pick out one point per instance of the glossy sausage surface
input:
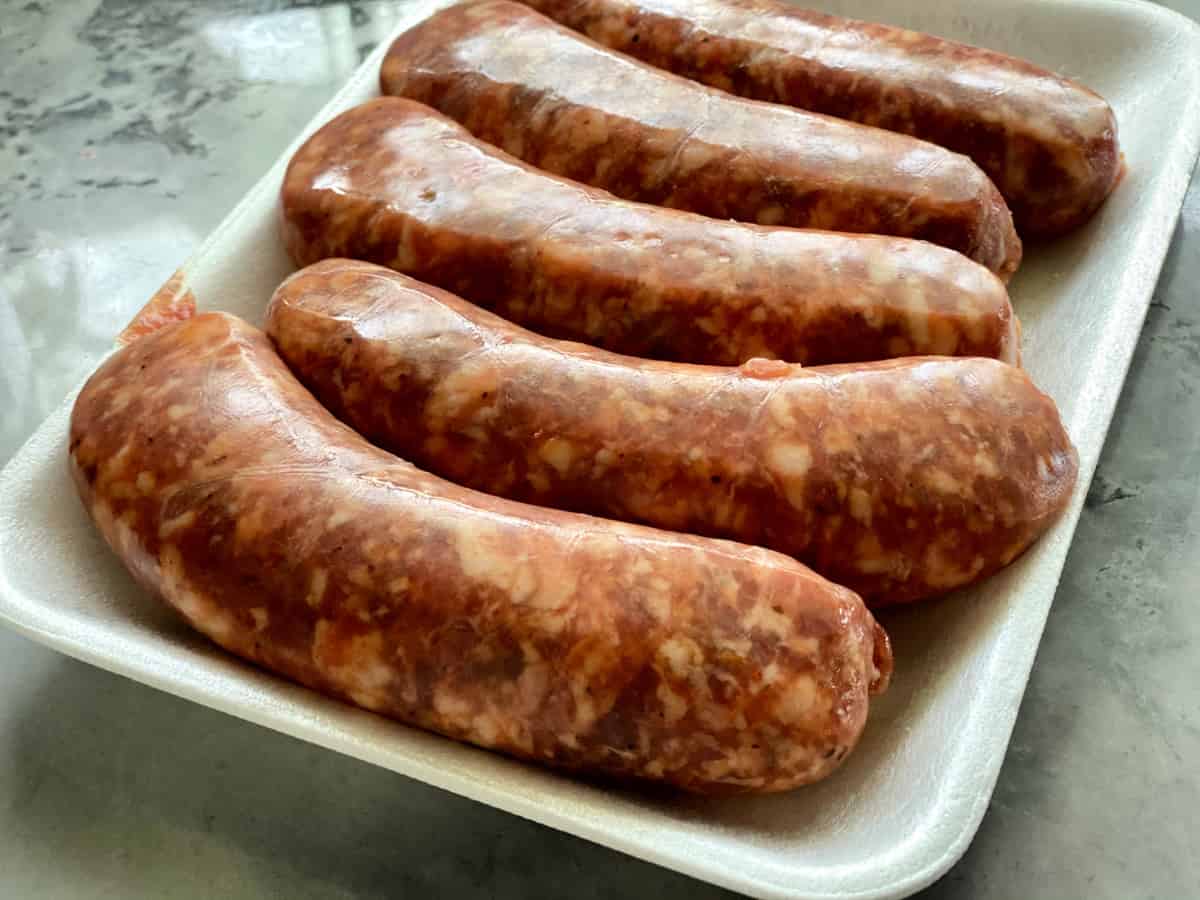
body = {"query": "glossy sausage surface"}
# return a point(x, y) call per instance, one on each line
point(901, 479)
point(1049, 144)
point(562, 103)
point(285, 537)
point(396, 183)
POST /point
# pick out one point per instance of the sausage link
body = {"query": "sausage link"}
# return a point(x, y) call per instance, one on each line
point(1049, 144)
point(901, 479)
point(285, 537)
point(396, 183)
point(558, 101)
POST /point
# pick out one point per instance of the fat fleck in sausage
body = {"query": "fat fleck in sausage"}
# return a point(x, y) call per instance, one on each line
point(285, 537)
point(900, 479)
point(1049, 144)
point(567, 105)
point(396, 183)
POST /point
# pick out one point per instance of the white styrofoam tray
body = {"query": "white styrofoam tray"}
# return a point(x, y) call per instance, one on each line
point(907, 803)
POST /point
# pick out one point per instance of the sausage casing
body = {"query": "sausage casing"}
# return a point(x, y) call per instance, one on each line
point(562, 103)
point(226, 488)
point(900, 479)
point(1049, 144)
point(396, 183)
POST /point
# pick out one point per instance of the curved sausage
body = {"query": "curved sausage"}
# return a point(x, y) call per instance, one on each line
point(396, 183)
point(562, 103)
point(1049, 144)
point(900, 479)
point(285, 537)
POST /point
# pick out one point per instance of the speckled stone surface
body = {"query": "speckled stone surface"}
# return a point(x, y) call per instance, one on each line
point(127, 130)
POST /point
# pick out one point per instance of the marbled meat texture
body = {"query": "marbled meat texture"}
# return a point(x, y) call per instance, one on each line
point(900, 479)
point(1049, 144)
point(394, 182)
point(226, 488)
point(563, 103)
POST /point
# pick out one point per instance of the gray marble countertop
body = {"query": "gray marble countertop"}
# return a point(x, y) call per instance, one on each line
point(127, 130)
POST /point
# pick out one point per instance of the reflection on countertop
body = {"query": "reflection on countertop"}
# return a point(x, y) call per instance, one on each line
point(127, 130)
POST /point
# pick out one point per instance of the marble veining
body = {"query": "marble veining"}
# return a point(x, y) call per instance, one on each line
point(127, 130)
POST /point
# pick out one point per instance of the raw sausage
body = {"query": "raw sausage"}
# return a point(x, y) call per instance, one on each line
point(1049, 144)
point(562, 103)
point(224, 487)
point(901, 479)
point(396, 183)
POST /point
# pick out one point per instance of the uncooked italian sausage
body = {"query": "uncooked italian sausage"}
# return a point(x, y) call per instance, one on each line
point(558, 101)
point(285, 537)
point(900, 479)
point(396, 183)
point(1049, 144)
